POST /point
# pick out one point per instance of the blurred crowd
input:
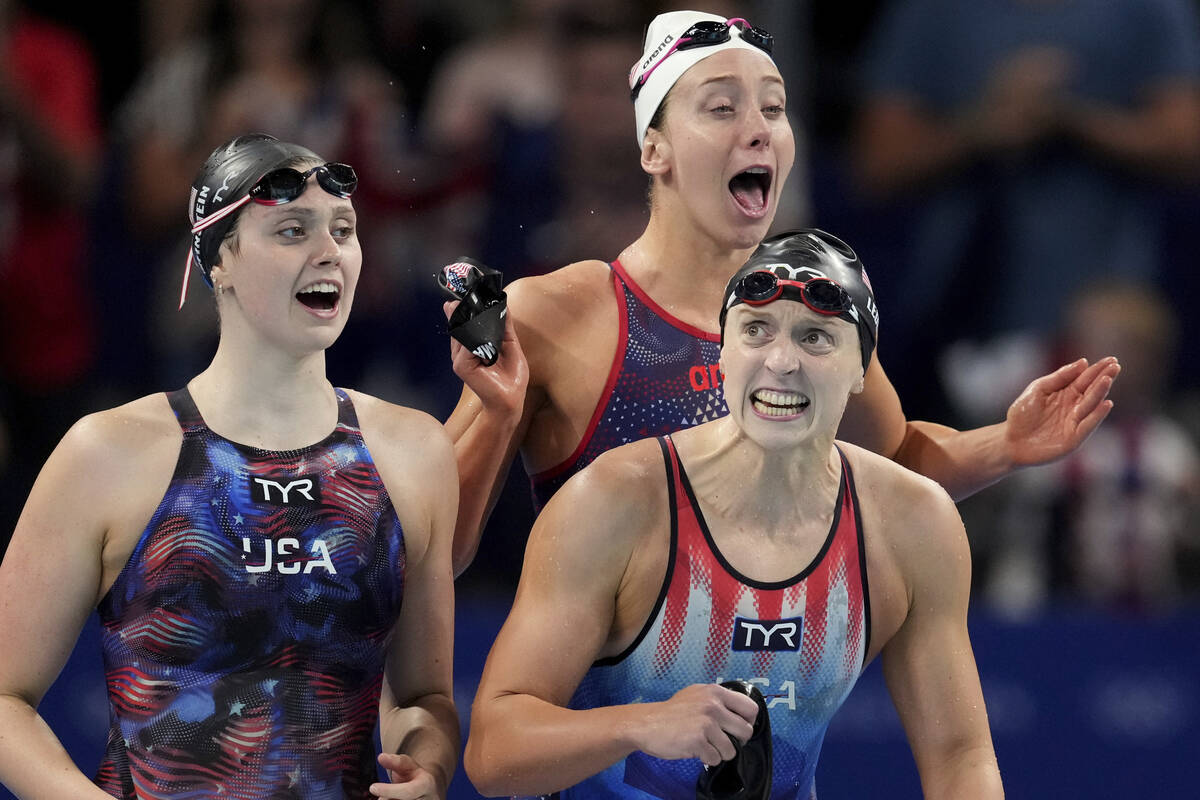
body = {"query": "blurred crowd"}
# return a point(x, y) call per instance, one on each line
point(1019, 176)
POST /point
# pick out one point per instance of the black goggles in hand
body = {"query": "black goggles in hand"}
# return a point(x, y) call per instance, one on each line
point(822, 295)
point(285, 184)
point(705, 34)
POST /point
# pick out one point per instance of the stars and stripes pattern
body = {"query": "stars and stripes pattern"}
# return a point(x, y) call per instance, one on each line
point(689, 639)
point(456, 275)
point(228, 682)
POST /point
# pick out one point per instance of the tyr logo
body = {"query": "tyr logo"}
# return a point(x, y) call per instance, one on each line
point(299, 492)
point(801, 273)
point(767, 634)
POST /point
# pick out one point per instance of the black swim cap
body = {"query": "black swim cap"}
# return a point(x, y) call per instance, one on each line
point(812, 253)
point(227, 176)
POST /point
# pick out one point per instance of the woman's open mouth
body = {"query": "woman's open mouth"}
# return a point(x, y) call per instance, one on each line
point(750, 189)
point(320, 296)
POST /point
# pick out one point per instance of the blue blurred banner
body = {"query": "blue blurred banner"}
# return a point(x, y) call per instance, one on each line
point(1081, 705)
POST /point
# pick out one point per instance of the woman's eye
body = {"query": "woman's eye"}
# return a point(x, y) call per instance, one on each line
point(292, 231)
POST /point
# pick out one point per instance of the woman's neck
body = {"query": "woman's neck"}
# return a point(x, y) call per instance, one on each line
point(741, 480)
point(264, 399)
point(682, 269)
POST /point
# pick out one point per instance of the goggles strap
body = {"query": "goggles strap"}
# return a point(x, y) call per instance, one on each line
point(220, 215)
point(207, 222)
point(187, 273)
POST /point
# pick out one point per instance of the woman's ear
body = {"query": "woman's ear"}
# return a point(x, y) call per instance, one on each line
point(656, 152)
point(220, 277)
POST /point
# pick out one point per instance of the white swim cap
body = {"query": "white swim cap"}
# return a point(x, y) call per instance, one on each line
point(667, 54)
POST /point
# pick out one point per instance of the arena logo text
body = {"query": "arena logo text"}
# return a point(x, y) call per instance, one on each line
point(705, 377)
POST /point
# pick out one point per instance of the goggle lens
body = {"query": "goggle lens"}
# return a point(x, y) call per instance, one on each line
point(757, 36)
point(758, 287)
point(284, 185)
point(704, 33)
point(825, 295)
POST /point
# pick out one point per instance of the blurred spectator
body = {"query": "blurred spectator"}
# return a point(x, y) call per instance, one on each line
point(489, 117)
point(601, 188)
point(1028, 140)
point(166, 26)
point(413, 37)
point(494, 111)
point(50, 141)
point(1115, 524)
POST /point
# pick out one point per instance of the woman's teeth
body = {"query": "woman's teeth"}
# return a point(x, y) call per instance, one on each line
point(778, 404)
point(323, 295)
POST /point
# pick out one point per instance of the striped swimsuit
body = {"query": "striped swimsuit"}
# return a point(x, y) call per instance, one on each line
point(244, 640)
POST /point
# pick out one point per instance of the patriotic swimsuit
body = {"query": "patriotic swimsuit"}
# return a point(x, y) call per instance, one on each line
point(803, 641)
point(244, 640)
point(664, 378)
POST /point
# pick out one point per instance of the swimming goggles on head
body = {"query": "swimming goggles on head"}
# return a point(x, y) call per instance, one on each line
point(285, 184)
point(822, 295)
point(705, 34)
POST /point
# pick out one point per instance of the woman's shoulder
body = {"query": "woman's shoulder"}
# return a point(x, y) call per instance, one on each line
point(127, 429)
point(113, 455)
point(395, 432)
point(570, 306)
point(908, 510)
point(625, 481)
point(562, 292)
point(877, 475)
